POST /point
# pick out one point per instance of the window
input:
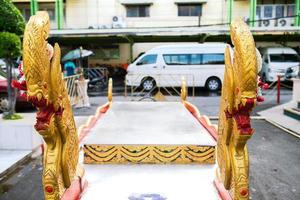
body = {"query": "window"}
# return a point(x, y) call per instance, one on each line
point(279, 11)
point(189, 9)
point(50, 8)
point(266, 60)
point(148, 59)
point(196, 59)
point(258, 12)
point(284, 58)
point(213, 59)
point(193, 59)
point(137, 11)
point(106, 52)
point(176, 59)
point(268, 11)
point(290, 10)
point(24, 9)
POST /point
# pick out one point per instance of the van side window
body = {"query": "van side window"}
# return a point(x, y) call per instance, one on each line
point(148, 59)
point(176, 59)
point(216, 59)
point(196, 59)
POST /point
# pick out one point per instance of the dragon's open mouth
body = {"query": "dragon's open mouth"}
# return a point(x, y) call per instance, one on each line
point(45, 112)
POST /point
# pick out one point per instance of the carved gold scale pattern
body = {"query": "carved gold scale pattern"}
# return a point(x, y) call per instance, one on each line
point(148, 154)
point(239, 88)
point(45, 83)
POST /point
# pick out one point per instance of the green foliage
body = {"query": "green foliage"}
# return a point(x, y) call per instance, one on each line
point(12, 117)
point(11, 20)
point(10, 45)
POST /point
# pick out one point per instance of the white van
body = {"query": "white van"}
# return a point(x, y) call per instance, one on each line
point(164, 66)
point(279, 61)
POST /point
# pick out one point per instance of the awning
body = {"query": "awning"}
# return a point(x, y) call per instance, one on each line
point(168, 34)
point(136, 2)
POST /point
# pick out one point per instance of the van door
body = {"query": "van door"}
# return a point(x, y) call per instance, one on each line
point(206, 69)
point(147, 70)
point(175, 67)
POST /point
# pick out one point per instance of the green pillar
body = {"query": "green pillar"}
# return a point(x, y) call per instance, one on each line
point(229, 10)
point(33, 7)
point(252, 12)
point(297, 12)
point(59, 13)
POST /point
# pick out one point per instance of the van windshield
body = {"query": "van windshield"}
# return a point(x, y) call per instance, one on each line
point(148, 59)
point(138, 57)
point(284, 58)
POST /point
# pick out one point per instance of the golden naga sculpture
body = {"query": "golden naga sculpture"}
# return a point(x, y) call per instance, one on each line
point(239, 94)
point(46, 90)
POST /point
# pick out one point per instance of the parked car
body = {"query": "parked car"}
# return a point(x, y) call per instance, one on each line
point(15, 70)
point(21, 100)
point(164, 66)
point(279, 61)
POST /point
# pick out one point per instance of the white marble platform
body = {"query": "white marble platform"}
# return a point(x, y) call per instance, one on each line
point(19, 134)
point(171, 182)
point(149, 123)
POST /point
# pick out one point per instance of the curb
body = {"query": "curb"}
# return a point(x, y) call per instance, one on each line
point(284, 128)
point(10, 170)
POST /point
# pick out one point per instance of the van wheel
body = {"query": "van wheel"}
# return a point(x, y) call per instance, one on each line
point(148, 84)
point(4, 105)
point(213, 84)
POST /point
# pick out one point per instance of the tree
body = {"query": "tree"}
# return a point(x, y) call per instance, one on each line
point(11, 20)
point(12, 26)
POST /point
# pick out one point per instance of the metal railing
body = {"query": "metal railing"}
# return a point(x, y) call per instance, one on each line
point(144, 87)
point(70, 82)
point(98, 78)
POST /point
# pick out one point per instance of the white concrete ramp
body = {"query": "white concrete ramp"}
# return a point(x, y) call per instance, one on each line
point(134, 150)
point(148, 132)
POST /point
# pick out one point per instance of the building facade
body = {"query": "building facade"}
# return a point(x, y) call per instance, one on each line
point(114, 28)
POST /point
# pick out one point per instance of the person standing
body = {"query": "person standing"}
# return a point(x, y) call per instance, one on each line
point(69, 67)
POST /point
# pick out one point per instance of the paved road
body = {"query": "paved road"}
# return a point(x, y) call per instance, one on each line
point(275, 161)
point(274, 168)
point(207, 102)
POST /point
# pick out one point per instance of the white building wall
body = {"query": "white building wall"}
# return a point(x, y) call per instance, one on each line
point(99, 13)
point(76, 14)
point(241, 9)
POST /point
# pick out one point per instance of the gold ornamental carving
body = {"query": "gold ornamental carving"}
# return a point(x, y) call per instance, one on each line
point(239, 93)
point(47, 92)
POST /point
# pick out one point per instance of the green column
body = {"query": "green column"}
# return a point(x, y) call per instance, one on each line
point(297, 12)
point(59, 13)
point(33, 7)
point(229, 10)
point(252, 12)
